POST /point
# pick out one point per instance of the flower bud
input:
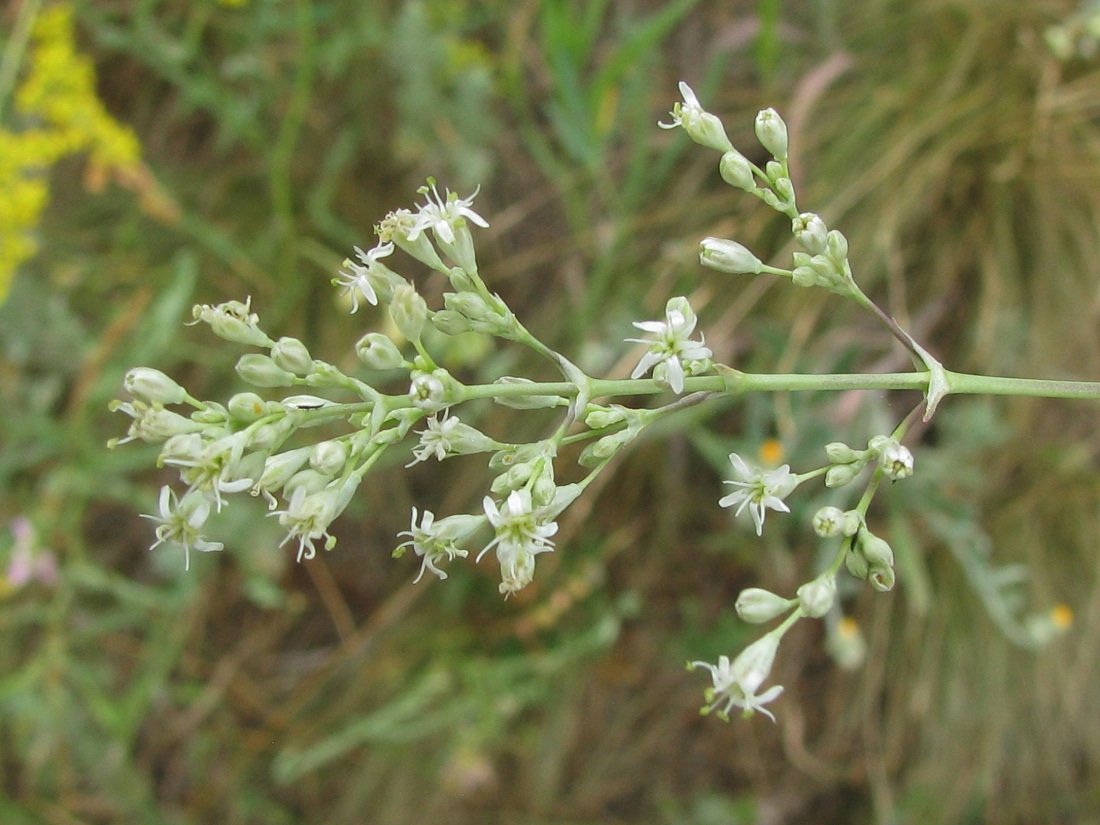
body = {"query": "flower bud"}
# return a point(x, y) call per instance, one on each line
point(756, 605)
point(857, 564)
point(379, 352)
point(805, 276)
point(291, 355)
point(816, 598)
point(828, 522)
point(728, 256)
point(771, 131)
point(836, 246)
point(450, 322)
point(246, 407)
point(875, 550)
point(153, 386)
point(260, 371)
point(840, 474)
point(409, 312)
point(840, 453)
point(737, 171)
point(328, 457)
point(542, 491)
point(810, 232)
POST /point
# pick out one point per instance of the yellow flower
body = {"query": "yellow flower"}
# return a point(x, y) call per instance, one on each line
point(56, 113)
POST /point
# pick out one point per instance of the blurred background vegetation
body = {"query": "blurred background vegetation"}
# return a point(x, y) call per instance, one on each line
point(182, 151)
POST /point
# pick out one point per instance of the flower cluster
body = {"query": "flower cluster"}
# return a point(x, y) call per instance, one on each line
point(261, 446)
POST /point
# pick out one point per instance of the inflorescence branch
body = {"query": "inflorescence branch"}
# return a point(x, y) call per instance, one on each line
point(250, 444)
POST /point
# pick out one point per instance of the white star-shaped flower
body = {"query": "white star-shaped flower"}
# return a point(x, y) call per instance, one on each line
point(759, 490)
point(671, 353)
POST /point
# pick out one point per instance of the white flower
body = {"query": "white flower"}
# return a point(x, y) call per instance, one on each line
point(444, 215)
point(521, 534)
point(736, 684)
point(356, 281)
point(701, 126)
point(309, 514)
point(517, 525)
point(759, 490)
point(435, 541)
point(217, 469)
point(896, 461)
point(448, 436)
point(671, 353)
point(181, 522)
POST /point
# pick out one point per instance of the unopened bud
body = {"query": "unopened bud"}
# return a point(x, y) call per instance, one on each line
point(291, 355)
point(737, 171)
point(728, 256)
point(246, 406)
point(328, 457)
point(756, 605)
point(409, 312)
point(816, 598)
point(810, 232)
point(840, 474)
point(379, 352)
point(771, 131)
point(153, 386)
point(260, 371)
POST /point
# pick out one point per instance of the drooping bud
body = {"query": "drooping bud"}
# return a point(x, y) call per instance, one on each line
point(736, 170)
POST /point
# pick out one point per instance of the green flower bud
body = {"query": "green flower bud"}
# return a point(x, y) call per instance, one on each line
point(450, 322)
point(771, 131)
point(810, 232)
point(840, 453)
point(857, 564)
point(260, 371)
point(737, 171)
point(837, 246)
point(875, 550)
point(291, 355)
point(542, 491)
point(728, 256)
point(409, 312)
point(246, 407)
point(840, 474)
point(816, 598)
point(153, 386)
point(379, 352)
point(756, 605)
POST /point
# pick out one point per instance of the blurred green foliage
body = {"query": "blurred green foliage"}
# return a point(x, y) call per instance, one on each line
point(959, 155)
